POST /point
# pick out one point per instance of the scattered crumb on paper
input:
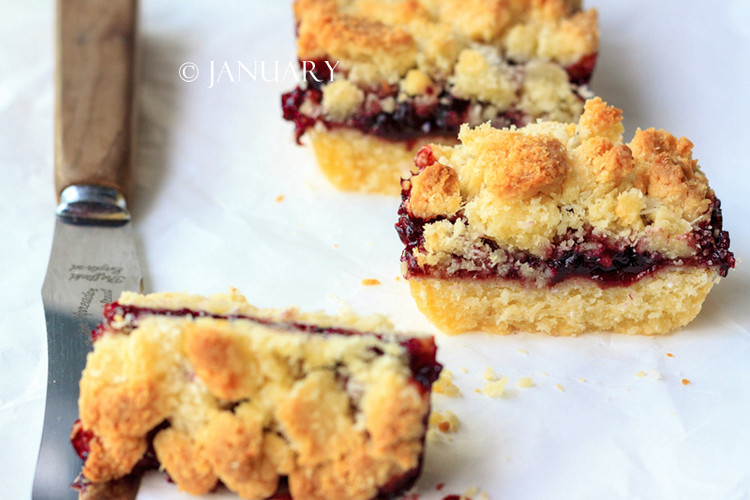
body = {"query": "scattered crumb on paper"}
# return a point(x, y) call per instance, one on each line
point(446, 422)
point(652, 374)
point(370, 282)
point(444, 385)
point(525, 382)
point(494, 388)
point(474, 493)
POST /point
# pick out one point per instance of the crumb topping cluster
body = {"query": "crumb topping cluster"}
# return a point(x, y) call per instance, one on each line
point(538, 192)
point(382, 41)
point(247, 402)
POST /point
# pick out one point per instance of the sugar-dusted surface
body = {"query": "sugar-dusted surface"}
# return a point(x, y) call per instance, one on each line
point(212, 162)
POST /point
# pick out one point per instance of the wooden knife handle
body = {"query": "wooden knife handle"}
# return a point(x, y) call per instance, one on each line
point(95, 81)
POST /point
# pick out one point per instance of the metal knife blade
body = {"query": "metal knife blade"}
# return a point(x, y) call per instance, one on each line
point(93, 255)
point(89, 267)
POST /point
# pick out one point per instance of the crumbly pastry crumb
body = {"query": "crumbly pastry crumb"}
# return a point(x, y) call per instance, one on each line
point(445, 385)
point(525, 382)
point(652, 374)
point(471, 492)
point(446, 422)
point(226, 392)
point(561, 228)
point(494, 388)
point(411, 40)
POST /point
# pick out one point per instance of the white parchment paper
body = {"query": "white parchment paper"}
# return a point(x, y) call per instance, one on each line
point(225, 198)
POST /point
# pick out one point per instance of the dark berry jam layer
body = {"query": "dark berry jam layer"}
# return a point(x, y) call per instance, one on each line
point(579, 255)
point(81, 441)
point(421, 351)
point(437, 113)
point(580, 73)
point(408, 121)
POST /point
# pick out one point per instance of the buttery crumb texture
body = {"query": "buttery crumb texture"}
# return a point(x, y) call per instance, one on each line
point(406, 71)
point(227, 393)
point(562, 228)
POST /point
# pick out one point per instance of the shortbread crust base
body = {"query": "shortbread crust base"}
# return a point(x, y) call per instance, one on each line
point(654, 305)
point(353, 161)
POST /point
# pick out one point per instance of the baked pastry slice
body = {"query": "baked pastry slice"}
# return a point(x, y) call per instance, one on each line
point(382, 78)
point(221, 391)
point(562, 228)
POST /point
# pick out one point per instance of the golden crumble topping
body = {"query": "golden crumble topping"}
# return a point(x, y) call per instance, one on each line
point(524, 187)
point(382, 40)
point(436, 191)
point(391, 37)
point(375, 48)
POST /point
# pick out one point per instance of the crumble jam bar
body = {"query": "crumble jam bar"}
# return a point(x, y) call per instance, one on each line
point(561, 228)
point(410, 72)
point(224, 392)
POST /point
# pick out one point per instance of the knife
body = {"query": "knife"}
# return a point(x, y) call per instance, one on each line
point(93, 255)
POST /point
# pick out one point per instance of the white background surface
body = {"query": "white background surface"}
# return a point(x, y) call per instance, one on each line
point(211, 162)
